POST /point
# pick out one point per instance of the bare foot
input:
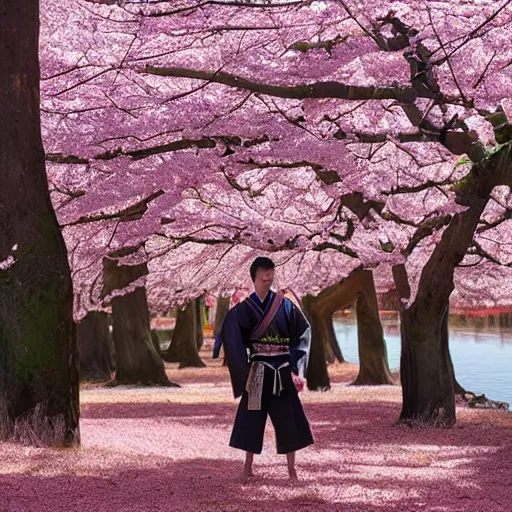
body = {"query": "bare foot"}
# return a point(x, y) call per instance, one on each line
point(247, 471)
point(292, 475)
point(246, 475)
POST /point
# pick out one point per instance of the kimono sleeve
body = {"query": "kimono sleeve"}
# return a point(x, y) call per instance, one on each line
point(300, 334)
point(236, 353)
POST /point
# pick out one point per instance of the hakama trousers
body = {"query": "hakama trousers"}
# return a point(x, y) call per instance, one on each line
point(286, 413)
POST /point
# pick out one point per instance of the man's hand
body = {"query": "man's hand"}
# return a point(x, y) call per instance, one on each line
point(298, 382)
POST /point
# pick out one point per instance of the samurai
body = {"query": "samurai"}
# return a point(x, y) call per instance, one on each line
point(266, 341)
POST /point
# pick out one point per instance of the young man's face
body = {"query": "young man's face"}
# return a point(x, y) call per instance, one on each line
point(264, 279)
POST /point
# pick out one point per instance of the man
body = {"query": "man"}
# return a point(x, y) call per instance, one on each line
point(275, 334)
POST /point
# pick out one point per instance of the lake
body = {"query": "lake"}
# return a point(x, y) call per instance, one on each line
point(482, 357)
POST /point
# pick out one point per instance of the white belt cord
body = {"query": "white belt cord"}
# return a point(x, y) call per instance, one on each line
point(254, 386)
point(277, 377)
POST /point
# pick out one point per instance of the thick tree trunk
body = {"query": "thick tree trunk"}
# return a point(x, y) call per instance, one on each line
point(373, 358)
point(426, 373)
point(316, 373)
point(95, 346)
point(137, 361)
point(184, 345)
point(38, 354)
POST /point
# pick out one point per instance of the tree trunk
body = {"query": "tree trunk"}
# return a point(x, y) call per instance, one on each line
point(95, 347)
point(137, 361)
point(426, 374)
point(200, 322)
point(331, 347)
point(316, 373)
point(457, 388)
point(38, 353)
point(220, 314)
point(183, 348)
point(373, 368)
point(373, 358)
point(329, 354)
point(156, 342)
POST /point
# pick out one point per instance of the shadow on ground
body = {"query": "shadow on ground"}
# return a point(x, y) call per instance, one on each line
point(174, 457)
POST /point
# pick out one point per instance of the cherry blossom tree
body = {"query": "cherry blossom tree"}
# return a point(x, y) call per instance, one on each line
point(341, 135)
point(38, 356)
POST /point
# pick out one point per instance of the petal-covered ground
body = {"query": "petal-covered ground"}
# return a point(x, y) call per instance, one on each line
point(165, 449)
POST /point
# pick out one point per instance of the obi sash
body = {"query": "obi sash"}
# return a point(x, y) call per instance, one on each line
point(266, 349)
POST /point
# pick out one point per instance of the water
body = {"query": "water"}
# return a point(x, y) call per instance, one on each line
point(482, 357)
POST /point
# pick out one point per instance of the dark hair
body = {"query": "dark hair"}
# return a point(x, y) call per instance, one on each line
point(261, 262)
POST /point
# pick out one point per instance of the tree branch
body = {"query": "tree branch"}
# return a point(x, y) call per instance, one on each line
point(507, 215)
point(177, 145)
point(130, 213)
point(477, 250)
point(313, 90)
point(425, 230)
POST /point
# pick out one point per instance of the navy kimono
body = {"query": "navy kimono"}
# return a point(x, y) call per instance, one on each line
point(264, 343)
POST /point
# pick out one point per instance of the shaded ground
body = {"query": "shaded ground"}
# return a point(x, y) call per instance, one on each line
point(157, 450)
